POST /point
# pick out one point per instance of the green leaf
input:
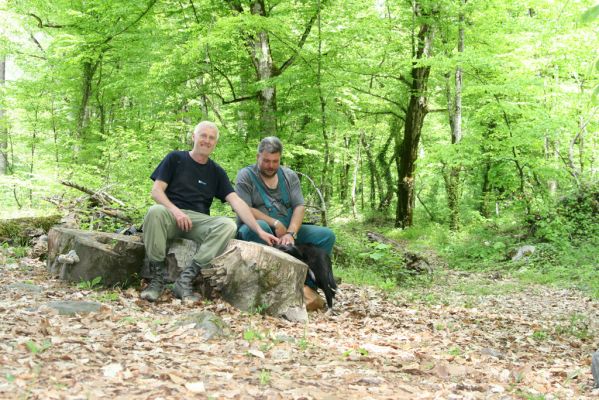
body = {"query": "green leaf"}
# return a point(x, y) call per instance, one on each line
point(591, 14)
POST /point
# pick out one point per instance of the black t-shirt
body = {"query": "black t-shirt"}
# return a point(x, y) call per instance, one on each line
point(191, 185)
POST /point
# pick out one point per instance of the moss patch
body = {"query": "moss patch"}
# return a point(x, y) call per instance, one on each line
point(18, 229)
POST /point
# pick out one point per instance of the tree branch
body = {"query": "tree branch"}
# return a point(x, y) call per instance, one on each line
point(148, 8)
point(300, 44)
point(41, 24)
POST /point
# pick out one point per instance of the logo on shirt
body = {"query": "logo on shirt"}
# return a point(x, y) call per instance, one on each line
point(201, 182)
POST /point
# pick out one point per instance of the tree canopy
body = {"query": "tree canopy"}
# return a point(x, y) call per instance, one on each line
point(416, 110)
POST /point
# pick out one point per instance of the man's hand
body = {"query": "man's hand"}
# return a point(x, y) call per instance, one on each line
point(287, 239)
point(183, 221)
point(268, 238)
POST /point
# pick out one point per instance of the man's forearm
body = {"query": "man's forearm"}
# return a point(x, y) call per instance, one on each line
point(161, 198)
point(296, 219)
point(245, 213)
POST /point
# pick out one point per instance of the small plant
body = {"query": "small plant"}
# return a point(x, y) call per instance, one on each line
point(577, 326)
point(260, 309)
point(540, 335)
point(35, 348)
point(108, 296)
point(455, 351)
point(19, 251)
point(91, 284)
point(360, 350)
point(250, 335)
point(303, 344)
point(10, 378)
point(264, 377)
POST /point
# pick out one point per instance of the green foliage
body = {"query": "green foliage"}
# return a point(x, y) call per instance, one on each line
point(251, 335)
point(108, 296)
point(92, 284)
point(264, 377)
point(35, 348)
point(573, 218)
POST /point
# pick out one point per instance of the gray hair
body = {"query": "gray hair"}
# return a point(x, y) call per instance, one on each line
point(206, 125)
point(271, 145)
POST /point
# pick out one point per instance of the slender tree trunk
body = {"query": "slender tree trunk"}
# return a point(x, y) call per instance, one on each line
point(3, 124)
point(355, 178)
point(375, 179)
point(454, 107)
point(262, 60)
point(323, 118)
point(417, 110)
point(386, 192)
point(89, 69)
point(344, 170)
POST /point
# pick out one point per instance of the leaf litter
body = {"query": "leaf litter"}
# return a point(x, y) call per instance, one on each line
point(531, 343)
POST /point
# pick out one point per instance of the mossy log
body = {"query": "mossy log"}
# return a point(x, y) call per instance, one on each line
point(24, 228)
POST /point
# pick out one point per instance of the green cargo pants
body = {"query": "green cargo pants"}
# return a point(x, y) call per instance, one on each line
point(212, 234)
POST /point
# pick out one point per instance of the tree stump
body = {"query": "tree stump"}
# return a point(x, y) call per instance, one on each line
point(75, 255)
point(255, 277)
point(249, 276)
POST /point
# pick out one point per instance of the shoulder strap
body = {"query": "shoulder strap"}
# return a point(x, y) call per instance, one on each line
point(261, 189)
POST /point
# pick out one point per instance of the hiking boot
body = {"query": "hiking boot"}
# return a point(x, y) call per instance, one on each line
point(156, 286)
point(183, 288)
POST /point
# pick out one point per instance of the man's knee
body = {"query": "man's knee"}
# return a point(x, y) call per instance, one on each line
point(229, 228)
point(156, 212)
point(248, 235)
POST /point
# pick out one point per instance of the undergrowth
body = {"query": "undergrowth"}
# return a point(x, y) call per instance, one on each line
point(565, 237)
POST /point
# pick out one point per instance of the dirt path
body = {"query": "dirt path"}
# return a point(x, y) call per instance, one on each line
point(464, 338)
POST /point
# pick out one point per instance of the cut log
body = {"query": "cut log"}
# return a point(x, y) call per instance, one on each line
point(75, 255)
point(250, 276)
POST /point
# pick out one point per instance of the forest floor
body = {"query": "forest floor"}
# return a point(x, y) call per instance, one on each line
point(466, 336)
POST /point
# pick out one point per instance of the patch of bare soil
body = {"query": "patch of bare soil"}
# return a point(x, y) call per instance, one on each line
point(533, 343)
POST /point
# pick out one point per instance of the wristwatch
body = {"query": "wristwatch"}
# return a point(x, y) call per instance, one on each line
point(293, 235)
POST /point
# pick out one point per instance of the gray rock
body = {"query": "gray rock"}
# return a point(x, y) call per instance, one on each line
point(72, 307)
point(492, 352)
point(24, 288)
point(595, 368)
point(296, 314)
point(212, 325)
point(524, 251)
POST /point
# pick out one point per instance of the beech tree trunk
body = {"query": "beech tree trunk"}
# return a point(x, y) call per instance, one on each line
point(454, 108)
point(417, 110)
point(260, 52)
point(3, 126)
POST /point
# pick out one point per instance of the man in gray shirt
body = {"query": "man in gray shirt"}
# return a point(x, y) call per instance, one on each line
point(274, 195)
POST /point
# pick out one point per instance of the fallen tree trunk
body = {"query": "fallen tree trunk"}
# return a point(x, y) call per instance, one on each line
point(414, 262)
point(24, 228)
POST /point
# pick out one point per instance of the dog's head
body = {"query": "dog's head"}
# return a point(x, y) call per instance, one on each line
point(290, 249)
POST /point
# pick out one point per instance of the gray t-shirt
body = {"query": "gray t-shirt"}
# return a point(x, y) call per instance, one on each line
point(246, 189)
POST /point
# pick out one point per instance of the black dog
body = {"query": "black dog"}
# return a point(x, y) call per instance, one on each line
point(321, 268)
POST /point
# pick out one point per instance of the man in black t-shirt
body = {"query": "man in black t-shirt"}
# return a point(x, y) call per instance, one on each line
point(185, 183)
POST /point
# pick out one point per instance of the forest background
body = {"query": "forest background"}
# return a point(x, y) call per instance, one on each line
point(463, 127)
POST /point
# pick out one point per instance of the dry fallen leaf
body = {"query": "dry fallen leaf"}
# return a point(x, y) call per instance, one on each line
point(195, 387)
